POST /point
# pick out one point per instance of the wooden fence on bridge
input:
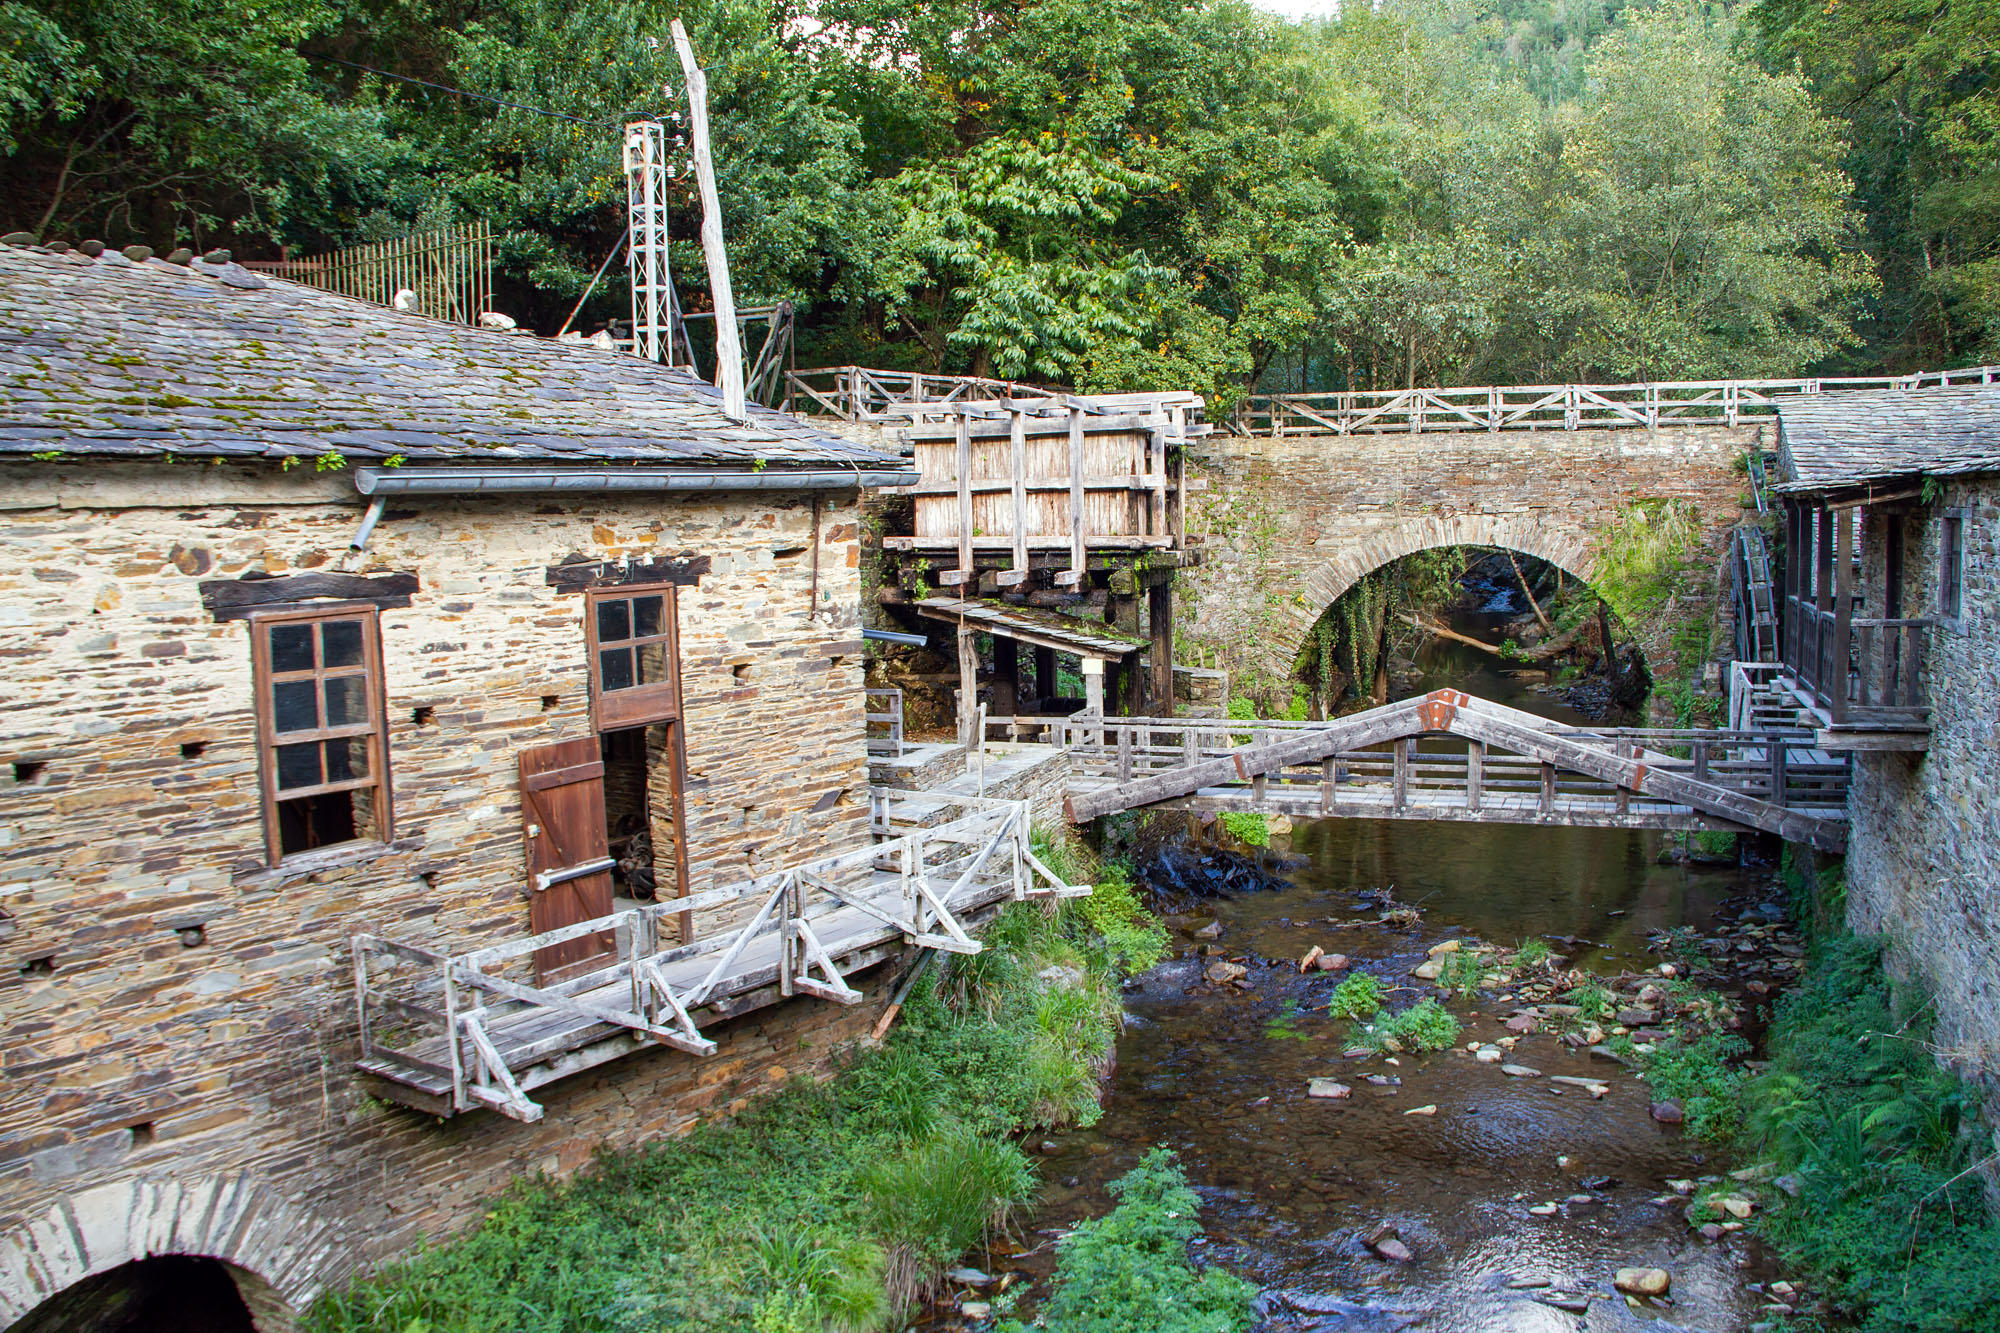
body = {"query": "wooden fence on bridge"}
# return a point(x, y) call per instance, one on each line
point(1449, 756)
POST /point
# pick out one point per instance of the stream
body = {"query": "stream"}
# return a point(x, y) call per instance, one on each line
point(1291, 1184)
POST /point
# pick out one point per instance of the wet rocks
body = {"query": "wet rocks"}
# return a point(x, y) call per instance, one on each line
point(1211, 931)
point(1668, 1113)
point(1422, 1110)
point(1520, 1071)
point(1489, 1055)
point(1597, 1088)
point(1222, 972)
point(1329, 1088)
point(1652, 1282)
point(1386, 1243)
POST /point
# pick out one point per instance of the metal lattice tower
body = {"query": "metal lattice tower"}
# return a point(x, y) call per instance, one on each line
point(646, 175)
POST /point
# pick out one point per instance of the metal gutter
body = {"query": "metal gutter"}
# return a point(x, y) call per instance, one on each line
point(481, 480)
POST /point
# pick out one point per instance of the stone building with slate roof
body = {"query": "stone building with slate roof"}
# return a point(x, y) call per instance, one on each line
point(1905, 634)
point(304, 603)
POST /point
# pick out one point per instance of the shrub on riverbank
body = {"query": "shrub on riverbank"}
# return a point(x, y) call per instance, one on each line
point(1424, 1026)
point(1129, 1269)
point(827, 1205)
point(1884, 1149)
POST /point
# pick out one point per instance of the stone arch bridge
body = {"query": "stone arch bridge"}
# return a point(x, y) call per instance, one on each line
point(1292, 521)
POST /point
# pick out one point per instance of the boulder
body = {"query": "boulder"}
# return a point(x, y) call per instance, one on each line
point(1642, 1281)
point(1668, 1113)
point(1333, 962)
point(1327, 1087)
point(1223, 972)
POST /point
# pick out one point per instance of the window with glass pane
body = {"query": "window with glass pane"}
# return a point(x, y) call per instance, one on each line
point(634, 660)
point(1951, 567)
point(319, 711)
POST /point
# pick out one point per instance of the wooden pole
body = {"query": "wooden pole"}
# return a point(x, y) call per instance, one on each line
point(1045, 674)
point(1006, 676)
point(1160, 626)
point(968, 683)
point(728, 349)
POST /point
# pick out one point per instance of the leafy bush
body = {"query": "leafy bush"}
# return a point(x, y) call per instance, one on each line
point(1881, 1143)
point(1248, 827)
point(1358, 997)
point(1697, 1073)
point(1427, 1026)
point(1129, 1269)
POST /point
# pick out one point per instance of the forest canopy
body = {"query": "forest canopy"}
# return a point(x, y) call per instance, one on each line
point(1108, 193)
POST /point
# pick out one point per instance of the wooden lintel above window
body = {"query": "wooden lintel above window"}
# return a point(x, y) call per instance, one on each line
point(576, 573)
point(236, 599)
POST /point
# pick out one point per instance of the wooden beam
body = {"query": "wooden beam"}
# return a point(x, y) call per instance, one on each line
point(968, 684)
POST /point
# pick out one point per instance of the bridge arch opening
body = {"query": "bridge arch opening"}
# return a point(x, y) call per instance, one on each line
point(1495, 620)
point(167, 1293)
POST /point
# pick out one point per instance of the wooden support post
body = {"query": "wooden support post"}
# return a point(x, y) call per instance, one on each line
point(1701, 761)
point(1160, 627)
point(1778, 775)
point(1017, 439)
point(1548, 789)
point(1843, 612)
point(1329, 783)
point(1402, 770)
point(1823, 564)
point(968, 685)
point(1045, 675)
point(964, 574)
point(1079, 559)
point(1093, 686)
point(1125, 754)
point(1259, 786)
point(1624, 797)
point(1475, 774)
point(1006, 677)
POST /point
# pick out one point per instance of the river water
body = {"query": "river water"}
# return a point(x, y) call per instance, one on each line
point(1291, 1183)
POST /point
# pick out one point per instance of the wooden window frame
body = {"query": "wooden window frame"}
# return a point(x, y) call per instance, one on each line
point(634, 705)
point(1952, 524)
point(374, 729)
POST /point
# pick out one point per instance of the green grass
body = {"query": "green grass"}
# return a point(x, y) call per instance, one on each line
point(1129, 1269)
point(1248, 827)
point(1463, 970)
point(1533, 953)
point(1883, 1145)
point(1596, 1001)
point(1358, 997)
point(826, 1205)
point(1427, 1026)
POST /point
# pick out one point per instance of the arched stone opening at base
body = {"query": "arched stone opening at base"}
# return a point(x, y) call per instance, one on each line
point(169, 1293)
point(1497, 620)
point(275, 1254)
point(1566, 547)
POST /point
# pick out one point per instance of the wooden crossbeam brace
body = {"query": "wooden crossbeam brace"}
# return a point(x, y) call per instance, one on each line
point(495, 1085)
point(813, 954)
point(716, 975)
point(1057, 887)
point(689, 1036)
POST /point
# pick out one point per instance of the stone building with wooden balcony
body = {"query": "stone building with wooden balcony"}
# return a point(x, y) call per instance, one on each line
point(1890, 643)
point(404, 715)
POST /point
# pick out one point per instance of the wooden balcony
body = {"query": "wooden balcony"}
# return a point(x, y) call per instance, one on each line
point(1861, 678)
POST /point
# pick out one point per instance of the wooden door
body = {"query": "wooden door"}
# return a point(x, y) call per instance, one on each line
point(563, 824)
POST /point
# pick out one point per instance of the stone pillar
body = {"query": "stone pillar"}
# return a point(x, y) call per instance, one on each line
point(1006, 676)
point(1093, 686)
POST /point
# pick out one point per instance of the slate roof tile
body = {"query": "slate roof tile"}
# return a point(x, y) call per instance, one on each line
point(1840, 441)
point(212, 360)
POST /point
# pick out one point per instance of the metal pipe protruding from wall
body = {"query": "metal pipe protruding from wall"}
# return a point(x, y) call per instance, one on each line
point(368, 522)
point(481, 480)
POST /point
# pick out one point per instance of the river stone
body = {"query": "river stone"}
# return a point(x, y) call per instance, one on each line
point(1642, 1281)
point(1637, 1018)
point(1333, 962)
point(1736, 1206)
point(1327, 1087)
point(1668, 1113)
point(969, 1277)
point(1542, 1210)
point(1520, 1071)
point(1489, 1055)
point(1422, 1110)
point(1211, 931)
point(1446, 946)
point(975, 1309)
point(1395, 1251)
point(1221, 973)
point(1522, 1023)
point(1427, 971)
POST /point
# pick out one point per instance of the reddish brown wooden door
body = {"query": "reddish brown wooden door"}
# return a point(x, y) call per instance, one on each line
point(562, 820)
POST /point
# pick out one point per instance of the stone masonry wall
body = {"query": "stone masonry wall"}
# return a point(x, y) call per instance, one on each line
point(134, 1060)
point(1289, 524)
point(1923, 857)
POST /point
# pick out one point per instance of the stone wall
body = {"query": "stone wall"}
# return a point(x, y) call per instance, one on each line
point(1923, 858)
point(139, 1057)
point(1291, 523)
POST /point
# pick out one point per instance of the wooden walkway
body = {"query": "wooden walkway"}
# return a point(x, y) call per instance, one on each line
point(451, 1032)
point(1450, 756)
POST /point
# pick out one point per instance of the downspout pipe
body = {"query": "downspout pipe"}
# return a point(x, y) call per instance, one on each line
point(373, 481)
point(895, 636)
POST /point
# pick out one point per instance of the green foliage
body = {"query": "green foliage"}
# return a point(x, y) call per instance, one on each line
point(1594, 999)
point(1425, 1026)
point(1129, 1269)
point(1881, 1142)
point(1463, 970)
point(1358, 997)
point(1248, 827)
point(1698, 1073)
point(824, 1205)
point(1285, 1026)
point(1645, 554)
point(1533, 952)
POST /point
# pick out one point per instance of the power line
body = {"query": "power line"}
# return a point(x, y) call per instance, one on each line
point(477, 97)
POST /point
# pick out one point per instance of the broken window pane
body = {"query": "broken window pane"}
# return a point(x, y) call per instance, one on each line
point(346, 701)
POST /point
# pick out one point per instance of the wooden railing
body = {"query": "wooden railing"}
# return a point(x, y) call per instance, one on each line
point(857, 393)
point(1556, 407)
point(471, 1029)
point(1754, 596)
point(888, 717)
point(1779, 766)
point(1858, 669)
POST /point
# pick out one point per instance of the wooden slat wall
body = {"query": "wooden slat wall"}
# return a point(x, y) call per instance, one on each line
point(1108, 511)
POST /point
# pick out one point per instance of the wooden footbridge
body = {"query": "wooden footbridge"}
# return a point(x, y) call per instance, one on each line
point(452, 1031)
point(1450, 756)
